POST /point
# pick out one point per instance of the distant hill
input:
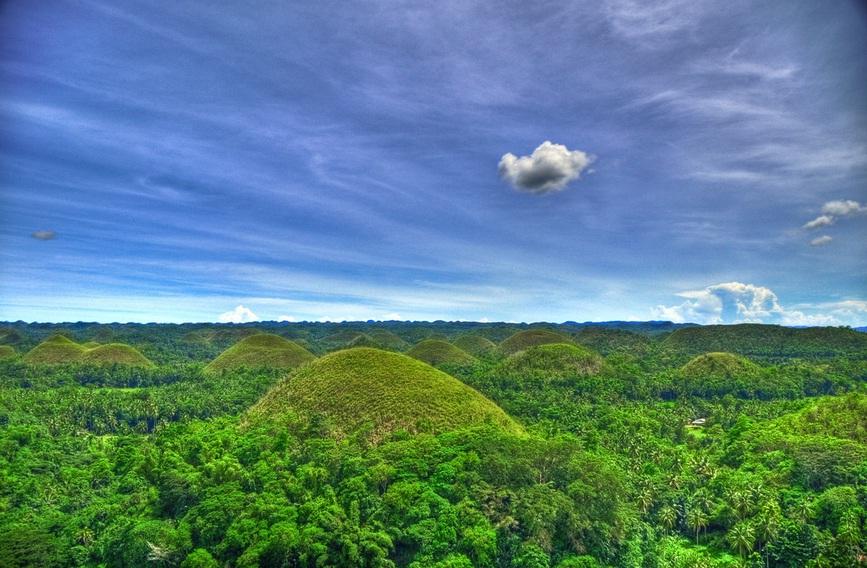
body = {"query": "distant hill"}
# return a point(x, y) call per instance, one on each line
point(770, 341)
point(530, 338)
point(475, 344)
point(55, 350)
point(7, 351)
point(607, 340)
point(642, 327)
point(560, 359)
point(438, 352)
point(115, 354)
point(263, 350)
point(718, 365)
point(385, 390)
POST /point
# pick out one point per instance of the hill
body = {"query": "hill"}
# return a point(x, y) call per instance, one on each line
point(261, 350)
point(389, 391)
point(530, 338)
point(115, 354)
point(560, 359)
point(612, 340)
point(768, 341)
point(437, 352)
point(718, 365)
point(388, 339)
point(475, 344)
point(6, 351)
point(55, 350)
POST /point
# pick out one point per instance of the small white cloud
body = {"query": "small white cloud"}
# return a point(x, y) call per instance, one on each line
point(841, 208)
point(287, 318)
point(821, 241)
point(44, 235)
point(736, 302)
point(393, 316)
point(239, 315)
point(549, 168)
point(820, 221)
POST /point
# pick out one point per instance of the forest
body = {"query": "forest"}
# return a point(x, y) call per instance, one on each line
point(439, 444)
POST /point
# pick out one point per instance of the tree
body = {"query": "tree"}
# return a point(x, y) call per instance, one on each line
point(742, 537)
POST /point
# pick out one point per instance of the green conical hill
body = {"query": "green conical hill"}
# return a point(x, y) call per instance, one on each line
point(382, 389)
point(115, 354)
point(437, 352)
point(55, 350)
point(263, 350)
point(556, 359)
point(475, 344)
point(530, 338)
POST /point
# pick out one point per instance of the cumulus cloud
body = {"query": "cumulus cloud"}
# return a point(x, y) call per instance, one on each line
point(841, 208)
point(820, 221)
point(736, 302)
point(44, 235)
point(549, 168)
point(821, 241)
point(239, 315)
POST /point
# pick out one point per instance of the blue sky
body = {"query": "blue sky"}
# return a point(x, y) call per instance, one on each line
point(190, 161)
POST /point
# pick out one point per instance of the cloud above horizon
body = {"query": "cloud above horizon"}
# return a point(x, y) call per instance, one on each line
point(551, 167)
point(240, 314)
point(821, 241)
point(736, 302)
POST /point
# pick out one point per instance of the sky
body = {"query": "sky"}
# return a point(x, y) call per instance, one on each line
point(682, 160)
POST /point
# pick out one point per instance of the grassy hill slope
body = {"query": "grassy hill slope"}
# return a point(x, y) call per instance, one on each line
point(387, 390)
point(768, 341)
point(437, 352)
point(55, 350)
point(115, 354)
point(530, 338)
point(554, 359)
point(260, 351)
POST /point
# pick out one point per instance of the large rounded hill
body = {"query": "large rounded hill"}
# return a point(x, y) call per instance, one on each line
point(55, 350)
point(115, 354)
point(438, 352)
point(388, 391)
point(263, 350)
point(7, 351)
point(530, 338)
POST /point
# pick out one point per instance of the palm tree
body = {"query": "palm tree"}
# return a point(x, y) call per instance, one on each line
point(742, 537)
point(668, 517)
point(697, 520)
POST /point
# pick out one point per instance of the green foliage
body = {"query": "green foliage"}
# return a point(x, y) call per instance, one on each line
point(7, 351)
point(371, 458)
point(438, 352)
point(261, 351)
point(386, 391)
point(768, 341)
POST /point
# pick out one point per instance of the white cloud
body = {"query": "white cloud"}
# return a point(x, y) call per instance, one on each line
point(842, 208)
point(831, 211)
point(239, 315)
point(44, 235)
point(549, 168)
point(648, 22)
point(736, 302)
point(820, 221)
point(393, 316)
point(821, 241)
